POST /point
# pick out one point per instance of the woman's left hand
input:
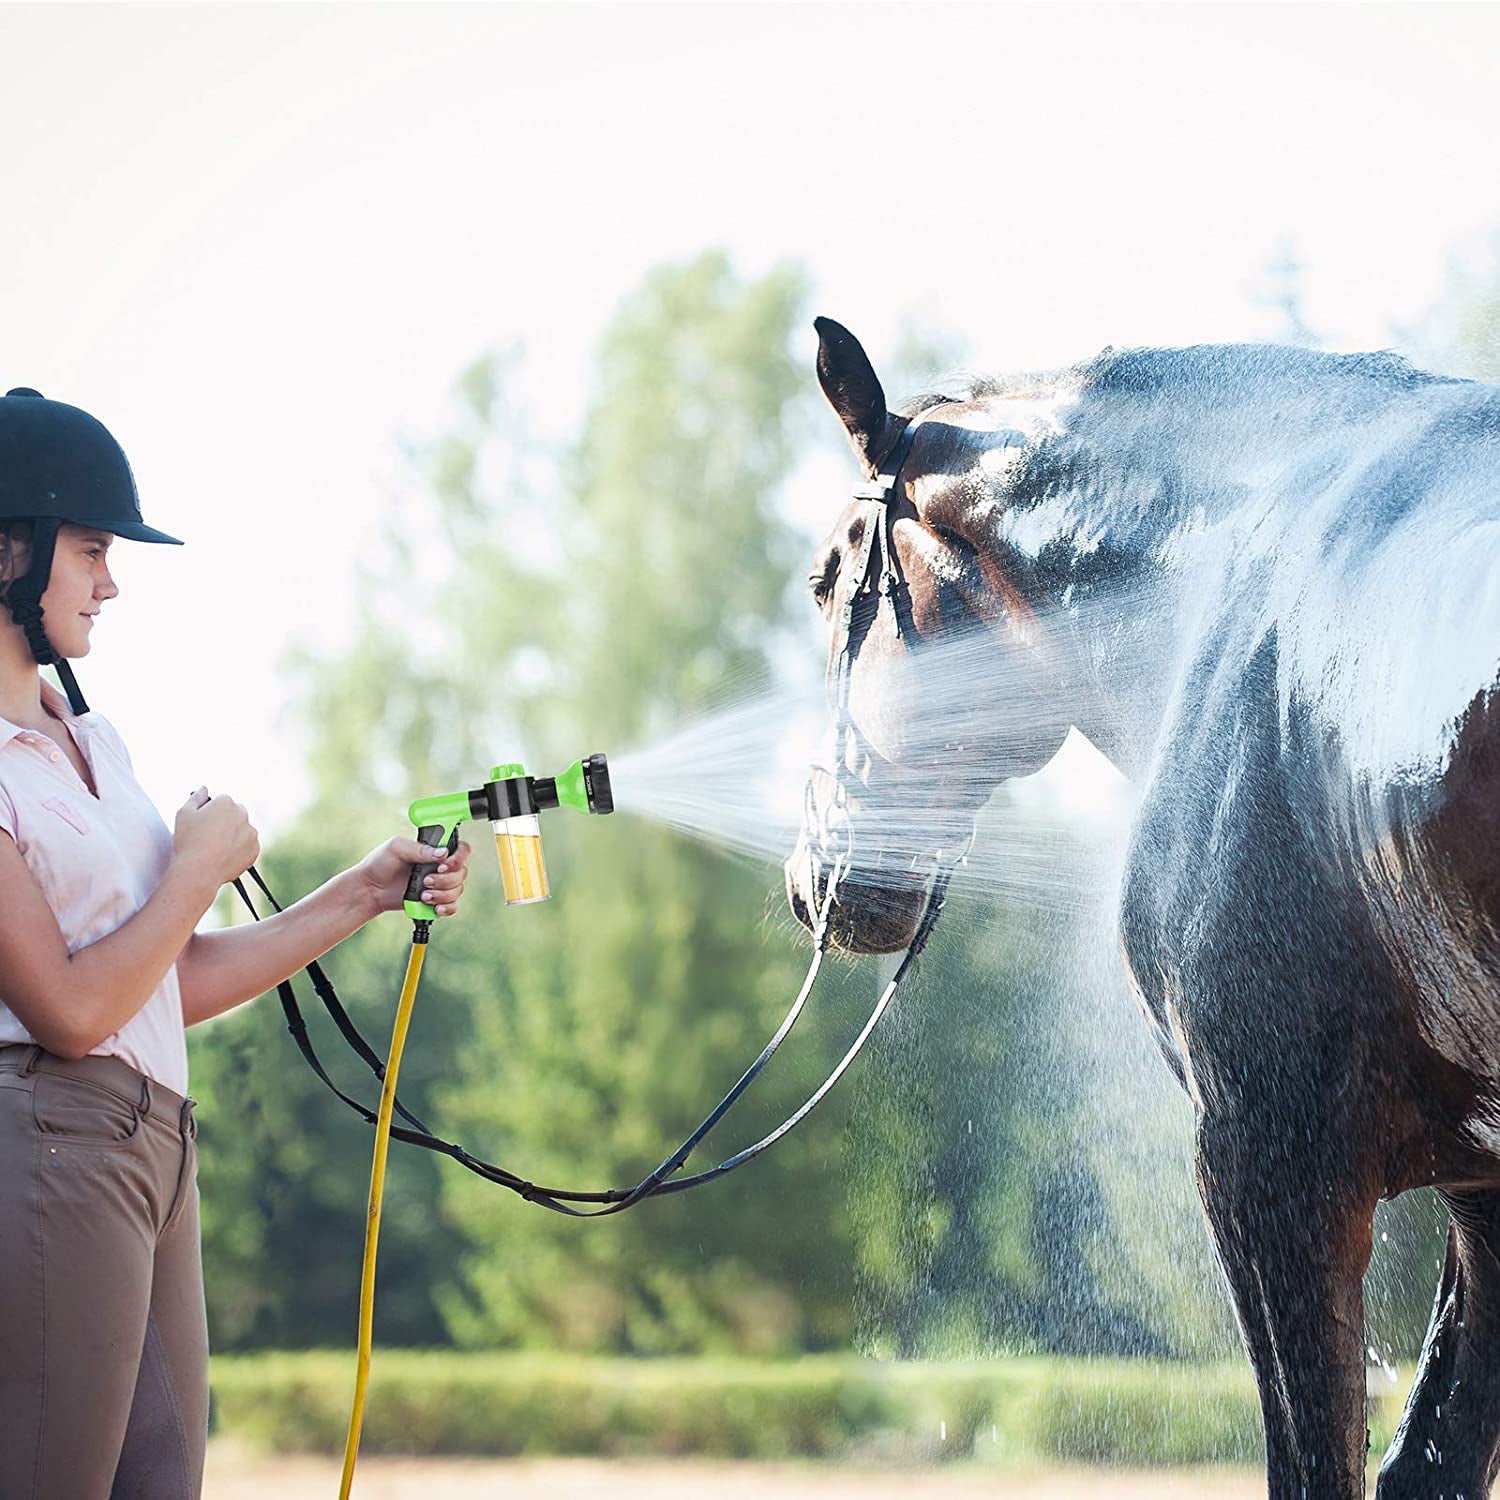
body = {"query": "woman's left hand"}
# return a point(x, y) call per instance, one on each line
point(387, 869)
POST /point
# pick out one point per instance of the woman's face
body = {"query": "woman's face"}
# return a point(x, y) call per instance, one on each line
point(79, 583)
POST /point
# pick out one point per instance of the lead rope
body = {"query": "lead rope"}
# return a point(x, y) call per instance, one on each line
point(404, 1006)
point(656, 1182)
point(662, 1179)
point(553, 1198)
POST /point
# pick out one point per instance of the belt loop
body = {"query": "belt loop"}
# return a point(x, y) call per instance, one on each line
point(145, 1104)
point(187, 1121)
point(27, 1068)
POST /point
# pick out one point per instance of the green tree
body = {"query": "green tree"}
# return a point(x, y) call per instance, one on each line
point(537, 606)
point(623, 1008)
point(285, 1167)
point(1281, 291)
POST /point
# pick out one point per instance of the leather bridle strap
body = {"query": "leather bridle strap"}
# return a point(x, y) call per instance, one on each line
point(861, 605)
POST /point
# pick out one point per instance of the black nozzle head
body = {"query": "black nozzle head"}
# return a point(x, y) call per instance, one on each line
point(596, 783)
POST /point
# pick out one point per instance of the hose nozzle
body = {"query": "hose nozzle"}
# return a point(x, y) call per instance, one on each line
point(511, 800)
point(584, 786)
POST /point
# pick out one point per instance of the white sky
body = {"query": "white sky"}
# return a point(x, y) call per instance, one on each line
point(260, 241)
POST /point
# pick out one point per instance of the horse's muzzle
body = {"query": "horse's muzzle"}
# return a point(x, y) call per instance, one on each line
point(871, 912)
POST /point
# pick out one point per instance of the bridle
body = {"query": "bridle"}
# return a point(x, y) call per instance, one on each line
point(875, 573)
point(869, 580)
point(860, 607)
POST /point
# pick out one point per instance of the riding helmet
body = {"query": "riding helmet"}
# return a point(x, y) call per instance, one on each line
point(57, 464)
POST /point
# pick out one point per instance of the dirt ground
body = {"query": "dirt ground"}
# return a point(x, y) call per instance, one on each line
point(234, 1474)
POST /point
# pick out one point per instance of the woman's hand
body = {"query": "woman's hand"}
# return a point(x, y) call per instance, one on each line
point(386, 870)
point(216, 836)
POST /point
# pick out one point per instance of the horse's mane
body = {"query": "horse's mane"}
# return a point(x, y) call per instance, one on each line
point(968, 386)
point(1218, 365)
point(1145, 370)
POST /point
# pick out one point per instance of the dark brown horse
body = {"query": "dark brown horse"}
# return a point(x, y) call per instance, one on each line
point(1266, 583)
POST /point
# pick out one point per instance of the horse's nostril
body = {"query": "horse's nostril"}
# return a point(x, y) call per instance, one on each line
point(799, 906)
point(794, 896)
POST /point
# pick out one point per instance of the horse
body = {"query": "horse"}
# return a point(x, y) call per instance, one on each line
point(1263, 581)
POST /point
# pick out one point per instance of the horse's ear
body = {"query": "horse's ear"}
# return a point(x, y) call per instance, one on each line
point(853, 391)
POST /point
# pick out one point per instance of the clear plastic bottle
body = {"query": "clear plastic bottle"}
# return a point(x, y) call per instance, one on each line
point(523, 871)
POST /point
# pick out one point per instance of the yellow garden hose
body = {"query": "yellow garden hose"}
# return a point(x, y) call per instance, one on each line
point(377, 1183)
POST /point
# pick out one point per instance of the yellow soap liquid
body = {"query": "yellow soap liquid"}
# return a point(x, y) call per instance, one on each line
point(522, 871)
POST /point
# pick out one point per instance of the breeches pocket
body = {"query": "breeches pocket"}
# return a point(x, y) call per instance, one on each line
point(81, 1113)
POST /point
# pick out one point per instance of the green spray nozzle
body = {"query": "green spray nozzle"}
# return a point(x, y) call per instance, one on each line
point(584, 786)
point(510, 800)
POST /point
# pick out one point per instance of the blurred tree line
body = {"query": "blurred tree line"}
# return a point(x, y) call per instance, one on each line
point(1009, 1169)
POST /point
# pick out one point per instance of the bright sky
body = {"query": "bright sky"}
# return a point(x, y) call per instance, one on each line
point(260, 241)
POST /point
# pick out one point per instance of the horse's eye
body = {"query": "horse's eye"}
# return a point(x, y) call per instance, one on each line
point(820, 581)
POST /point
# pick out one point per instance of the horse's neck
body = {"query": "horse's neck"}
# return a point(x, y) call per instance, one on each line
point(1144, 510)
point(1103, 546)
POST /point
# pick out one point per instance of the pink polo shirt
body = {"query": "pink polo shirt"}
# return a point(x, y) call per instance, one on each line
point(97, 860)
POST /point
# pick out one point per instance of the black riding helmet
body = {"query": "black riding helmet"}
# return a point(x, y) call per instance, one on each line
point(58, 464)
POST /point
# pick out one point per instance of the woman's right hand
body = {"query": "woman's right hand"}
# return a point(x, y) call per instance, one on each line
point(216, 835)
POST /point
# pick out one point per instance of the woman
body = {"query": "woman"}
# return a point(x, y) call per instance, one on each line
point(104, 1375)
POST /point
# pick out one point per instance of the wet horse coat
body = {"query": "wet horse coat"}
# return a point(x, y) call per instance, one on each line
point(1264, 582)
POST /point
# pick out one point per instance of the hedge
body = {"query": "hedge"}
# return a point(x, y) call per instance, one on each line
point(1007, 1410)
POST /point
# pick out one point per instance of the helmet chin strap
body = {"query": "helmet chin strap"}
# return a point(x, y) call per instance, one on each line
point(25, 602)
point(70, 686)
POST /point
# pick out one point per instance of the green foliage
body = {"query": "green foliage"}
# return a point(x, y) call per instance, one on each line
point(435, 1403)
point(1410, 1240)
point(516, 614)
point(621, 1010)
point(1016, 1411)
point(1116, 1413)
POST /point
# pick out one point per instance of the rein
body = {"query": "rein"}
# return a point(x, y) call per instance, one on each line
point(835, 843)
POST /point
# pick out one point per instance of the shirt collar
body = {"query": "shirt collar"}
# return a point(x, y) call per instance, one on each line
point(53, 703)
